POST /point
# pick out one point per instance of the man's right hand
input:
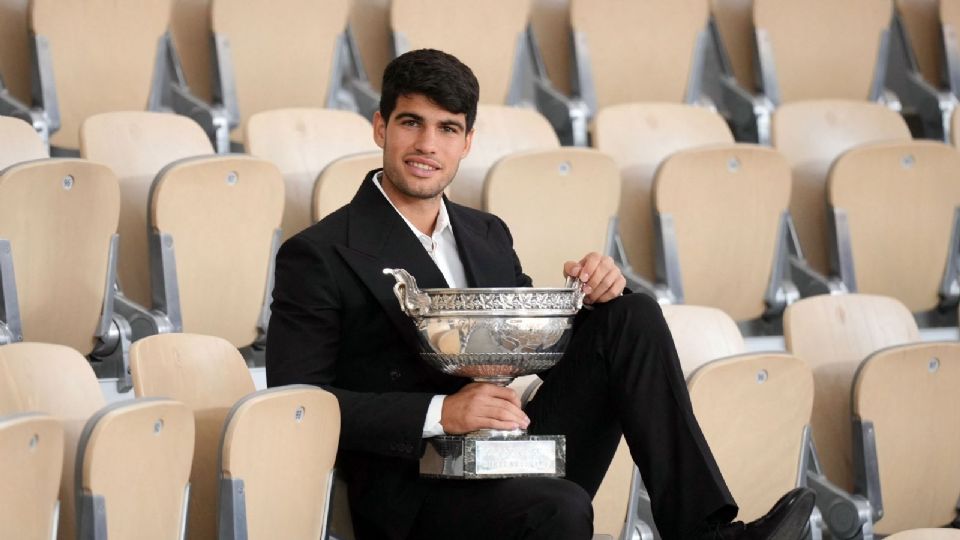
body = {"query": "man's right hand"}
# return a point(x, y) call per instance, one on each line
point(482, 406)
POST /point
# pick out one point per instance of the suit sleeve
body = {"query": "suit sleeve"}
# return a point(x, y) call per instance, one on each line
point(303, 343)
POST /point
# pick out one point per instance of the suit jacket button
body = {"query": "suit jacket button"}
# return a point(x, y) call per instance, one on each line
point(394, 374)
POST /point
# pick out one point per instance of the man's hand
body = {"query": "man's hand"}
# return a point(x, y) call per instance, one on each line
point(602, 279)
point(482, 406)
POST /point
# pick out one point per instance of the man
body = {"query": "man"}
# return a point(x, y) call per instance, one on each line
point(336, 324)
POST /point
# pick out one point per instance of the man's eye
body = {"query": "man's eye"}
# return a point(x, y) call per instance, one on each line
point(410, 123)
point(449, 129)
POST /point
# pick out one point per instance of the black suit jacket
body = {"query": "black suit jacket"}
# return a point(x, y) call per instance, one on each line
point(335, 323)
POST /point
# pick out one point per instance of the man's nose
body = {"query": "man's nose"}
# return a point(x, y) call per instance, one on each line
point(427, 141)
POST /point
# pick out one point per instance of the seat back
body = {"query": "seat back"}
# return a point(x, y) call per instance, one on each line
point(339, 181)
point(136, 146)
point(79, 203)
point(15, 53)
point(814, 49)
point(900, 199)
point(550, 23)
point(133, 469)
point(283, 54)
point(285, 478)
point(223, 215)
point(639, 136)
point(500, 130)
point(921, 21)
point(725, 203)
point(753, 410)
point(833, 334)
point(370, 28)
point(927, 534)
point(301, 143)
point(18, 141)
point(564, 178)
point(734, 20)
point(58, 381)
point(117, 48)
point(639, 51)
point(811, 135)
point(32, 448)
point(208, 375)
point(190, 31)
point(490, 48)
point(702, 334)
point(916, 443)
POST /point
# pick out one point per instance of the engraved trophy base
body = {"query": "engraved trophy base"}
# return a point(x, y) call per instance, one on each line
point(494, 454)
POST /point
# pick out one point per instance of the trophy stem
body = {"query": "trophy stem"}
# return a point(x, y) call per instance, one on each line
point(497, 433)
point(499, 381)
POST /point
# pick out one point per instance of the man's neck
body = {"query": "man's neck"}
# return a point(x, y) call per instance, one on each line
point(422, 213)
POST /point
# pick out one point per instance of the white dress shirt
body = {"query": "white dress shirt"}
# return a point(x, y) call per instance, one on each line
point(442, 248)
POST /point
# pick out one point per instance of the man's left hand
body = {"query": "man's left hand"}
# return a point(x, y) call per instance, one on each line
point(602, 279)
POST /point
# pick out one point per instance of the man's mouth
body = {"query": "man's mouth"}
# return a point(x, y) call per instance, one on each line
point(421, 166)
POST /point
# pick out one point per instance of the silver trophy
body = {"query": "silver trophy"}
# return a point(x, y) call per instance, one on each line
point(491, 335)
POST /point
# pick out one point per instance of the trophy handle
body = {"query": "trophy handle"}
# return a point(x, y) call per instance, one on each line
point(577, 286)
point(414, 302)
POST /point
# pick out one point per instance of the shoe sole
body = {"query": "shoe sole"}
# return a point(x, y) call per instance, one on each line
point(794, 525)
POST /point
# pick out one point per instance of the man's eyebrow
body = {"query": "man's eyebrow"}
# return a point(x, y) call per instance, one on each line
point(409, 115)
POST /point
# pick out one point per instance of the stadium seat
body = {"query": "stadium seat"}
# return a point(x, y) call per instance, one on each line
point(702, 334)
point(277, 457)
point(640, 136)
point(340, 180)
point(550, 32)
point(927, 534)
point(733, 36)
point(103, 56)
point(487, 36)
point(58, 272)
point(32, 448)
point(906, 397)
point(58, 381)
point(137, 146)
point(209, 376)
point(215, 230)
point(811, 135)
point(626, 52)
point(721, 216)
point(370, 30)
point(754, 411)
point(499, 130)
point(918, 70)
point(19, 142)
point(895, 216)
point(301, 143)
point(15, 63)
point(572, 185)
point(191, 38)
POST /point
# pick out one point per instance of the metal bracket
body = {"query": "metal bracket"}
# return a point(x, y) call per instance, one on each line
point(224, 82)
point(583, 85)
point(880, 68)
point(233, 510)
point(668, 258)
point(43, 83)
point(781, 291)
point(163, 277)
point(11, 329)
point(694, 92)
point(866, 465)
point(768, 68)
point(848, 517)
point(950, 283)
point(92, 517)
point(841, 251)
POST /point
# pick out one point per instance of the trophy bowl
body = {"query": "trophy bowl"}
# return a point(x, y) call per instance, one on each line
point(490, 334)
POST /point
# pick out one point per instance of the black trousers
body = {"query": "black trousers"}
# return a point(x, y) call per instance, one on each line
point(620, 374)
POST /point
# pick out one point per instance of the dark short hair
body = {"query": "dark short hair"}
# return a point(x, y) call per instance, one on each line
point(438, 76)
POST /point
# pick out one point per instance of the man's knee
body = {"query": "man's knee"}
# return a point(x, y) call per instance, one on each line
point(563, 511)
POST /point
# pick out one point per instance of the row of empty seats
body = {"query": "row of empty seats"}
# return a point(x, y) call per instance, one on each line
point(218, 63)
point(252, 464)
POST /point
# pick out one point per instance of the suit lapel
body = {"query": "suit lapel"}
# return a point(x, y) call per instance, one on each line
point(487, 263)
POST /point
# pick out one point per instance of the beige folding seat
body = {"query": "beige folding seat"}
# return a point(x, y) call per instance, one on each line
point(32, 448)
point(640, 136)
point(834, 333)
point(58, 271)
point(339, 181)
point(894, 210)
point(487, 36)
point(576, 184)
point(499, 130)
point(908, 396)
point(927, 534)
point(301, 143)
point(191, 37)
point(811, 135)
point(754, 411)
point(105, 448)
point(209, 376)
point(73, 40)
point(19, 142)
point(550, 26)
point(136, 146)
point(733, 20)
point(278, 486)
point(370, 29)
point(702, 334)
point(215, 230)
point(15, 62)
point(720, 213)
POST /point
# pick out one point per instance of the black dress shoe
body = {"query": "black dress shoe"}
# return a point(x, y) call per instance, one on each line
point(787, 520)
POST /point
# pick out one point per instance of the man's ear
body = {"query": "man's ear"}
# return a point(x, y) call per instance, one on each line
point(469, 142)
point(379, 129)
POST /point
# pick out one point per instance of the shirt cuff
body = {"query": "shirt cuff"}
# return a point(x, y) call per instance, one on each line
point(431, 424)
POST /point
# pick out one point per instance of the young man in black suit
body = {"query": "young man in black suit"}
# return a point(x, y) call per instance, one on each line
point(336, 323)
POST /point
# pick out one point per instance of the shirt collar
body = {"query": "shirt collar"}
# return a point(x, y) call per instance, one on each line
point(443, 218)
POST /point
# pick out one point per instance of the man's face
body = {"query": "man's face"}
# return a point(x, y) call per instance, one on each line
point(422, 146)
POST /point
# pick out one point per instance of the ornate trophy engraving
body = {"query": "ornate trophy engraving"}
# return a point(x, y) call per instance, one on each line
point(491, 335)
